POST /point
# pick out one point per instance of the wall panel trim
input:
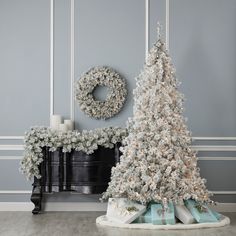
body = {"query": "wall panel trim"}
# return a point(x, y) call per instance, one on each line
point(167, 24)
point(199, 158)
point(224, 192)
point(209, 148)
point(11, 158)
point(15, 192)
point(29, 192)
point(85, 206)
point(214, 138)
point(212, 148)
point(217, 158)
point(11, 147)
point(72, 59)
point(209, 138)
point(147, 19)
point(51, 57)
point(11, 137)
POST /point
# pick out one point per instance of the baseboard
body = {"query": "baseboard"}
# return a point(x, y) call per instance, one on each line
point(54, 206)
point(74, 206)
point(225, 207)
point(85, 206)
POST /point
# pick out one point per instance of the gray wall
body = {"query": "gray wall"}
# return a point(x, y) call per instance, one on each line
point(112, 32)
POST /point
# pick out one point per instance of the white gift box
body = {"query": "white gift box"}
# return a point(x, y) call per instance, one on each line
point(122, 210)
point(183, 214)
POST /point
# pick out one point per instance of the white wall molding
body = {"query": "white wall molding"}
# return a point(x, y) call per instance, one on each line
point(51, 68)
point(85, 206)
point(11, 157)
point(207, 148)
point(11, 137)
point(217, 158)
point(74, 206)
point(199, 158)
point(212, 148)
point(54, 206)
point(15, 192)
point(11, 147)
point(220, 148)
point(147, 19)
point(224, 192)
point(224, 207)
point(214, 138)
point(72, 59)
point(167, 24)
point(209, 138)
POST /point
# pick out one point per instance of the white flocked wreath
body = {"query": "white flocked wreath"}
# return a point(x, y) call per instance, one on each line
point(100, 76)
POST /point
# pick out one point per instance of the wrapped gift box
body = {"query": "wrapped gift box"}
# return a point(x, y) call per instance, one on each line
point(183, 214)
point(162, 216)
point(145, 217)
point(138, 220)
point(217, 214)
point(201, 213)
point(122, 210)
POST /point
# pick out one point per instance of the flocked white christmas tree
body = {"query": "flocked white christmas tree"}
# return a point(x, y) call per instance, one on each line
point(158, 163)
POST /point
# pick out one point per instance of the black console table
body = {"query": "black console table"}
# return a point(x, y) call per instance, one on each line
point(74, 171)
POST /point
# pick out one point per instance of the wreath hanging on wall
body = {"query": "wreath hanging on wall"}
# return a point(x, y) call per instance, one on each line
point(86, 85)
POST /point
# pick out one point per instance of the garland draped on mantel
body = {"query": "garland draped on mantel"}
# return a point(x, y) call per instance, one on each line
point(86, 141)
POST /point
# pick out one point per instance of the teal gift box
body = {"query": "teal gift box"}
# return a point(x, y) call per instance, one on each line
point(138, 220)
point(147, 217)
point(162, 216)
point(217, 214)
point(202, 213)
point(144, 218)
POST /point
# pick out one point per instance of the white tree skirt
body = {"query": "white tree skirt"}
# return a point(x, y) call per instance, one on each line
point(103, 221)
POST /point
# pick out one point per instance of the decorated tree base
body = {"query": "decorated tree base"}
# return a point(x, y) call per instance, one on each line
point(103, 221)
point(125, 213)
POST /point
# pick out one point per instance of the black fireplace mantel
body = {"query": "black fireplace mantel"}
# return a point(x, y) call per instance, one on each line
point(74, 171)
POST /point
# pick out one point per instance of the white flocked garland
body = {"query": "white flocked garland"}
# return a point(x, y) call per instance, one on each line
point(86, 141)
point(100, 76)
